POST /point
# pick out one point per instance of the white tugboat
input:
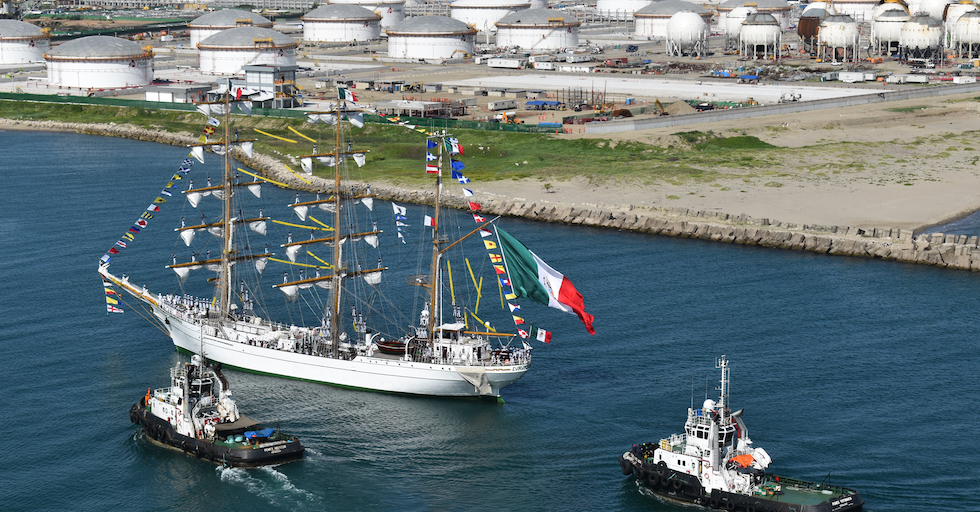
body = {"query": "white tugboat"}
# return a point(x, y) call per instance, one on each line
point(198, 415)
point(714, 464)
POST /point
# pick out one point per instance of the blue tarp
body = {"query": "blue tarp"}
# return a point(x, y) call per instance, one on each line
point(266, 432)
point(542, 102)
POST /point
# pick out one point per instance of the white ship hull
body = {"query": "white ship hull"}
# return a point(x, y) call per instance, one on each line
point(374, 373)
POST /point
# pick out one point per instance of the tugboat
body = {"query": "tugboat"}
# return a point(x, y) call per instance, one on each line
point(198, 415)
point(714, 464)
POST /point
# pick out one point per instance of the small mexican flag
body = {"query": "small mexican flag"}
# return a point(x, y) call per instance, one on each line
point(345, 94)
point(531, 277)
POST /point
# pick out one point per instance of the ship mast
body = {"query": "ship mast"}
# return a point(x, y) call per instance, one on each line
point(725, 376)
point(224, 282)
point(337, 277)
point(434, 268)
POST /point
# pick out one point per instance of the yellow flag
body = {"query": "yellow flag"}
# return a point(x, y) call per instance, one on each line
point(490, 244)
point(110, 300)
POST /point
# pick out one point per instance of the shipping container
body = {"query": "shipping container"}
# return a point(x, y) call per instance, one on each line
point(507, 63)
point(544, 65)
point(502, 104)
point(850, 77)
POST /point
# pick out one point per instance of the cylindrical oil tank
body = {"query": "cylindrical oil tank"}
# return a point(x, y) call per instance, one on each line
point(99, 62)
point(811, 17)
point(430, 37)
point(622, 9)
point(482, 14)
point(391, 11)
point(227, 51)
point(651, 21)
point(687, 32)
point(22, 43)
point(339, 23)
point(211, 23)
point(538, 29)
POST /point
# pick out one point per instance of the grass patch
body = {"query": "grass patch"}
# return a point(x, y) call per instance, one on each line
point(908, 109)
point(773, 184)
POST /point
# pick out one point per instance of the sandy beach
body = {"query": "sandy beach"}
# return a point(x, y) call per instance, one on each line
point(877, 165)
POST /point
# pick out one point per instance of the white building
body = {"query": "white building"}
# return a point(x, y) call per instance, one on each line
point(651, 20)
point(431, 37)
point(341, 23)
point(211, 23)
point(538, 29)
point(392, 12)
point(483, 14)
point(22, 43)
point(227, 51)
point(99, 62)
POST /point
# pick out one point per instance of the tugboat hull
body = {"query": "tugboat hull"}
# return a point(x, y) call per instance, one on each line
point(161, 432)
point(674, 485)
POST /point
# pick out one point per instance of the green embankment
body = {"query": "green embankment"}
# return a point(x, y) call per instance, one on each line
point(397, 153)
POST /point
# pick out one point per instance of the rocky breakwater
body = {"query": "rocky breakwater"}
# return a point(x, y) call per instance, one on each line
point(957, 252)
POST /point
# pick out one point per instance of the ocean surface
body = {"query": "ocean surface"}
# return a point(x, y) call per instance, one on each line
point(861, 369)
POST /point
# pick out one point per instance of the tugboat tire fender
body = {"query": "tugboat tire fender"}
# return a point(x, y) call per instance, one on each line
point(750, 508)
point(664, 480)
point(652, 479)
point(625, 466)
point(730, 505)
point(678, 484)
point(714, 503)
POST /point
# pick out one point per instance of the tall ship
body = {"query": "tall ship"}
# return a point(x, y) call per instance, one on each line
point(713, 463)
point(344, 329)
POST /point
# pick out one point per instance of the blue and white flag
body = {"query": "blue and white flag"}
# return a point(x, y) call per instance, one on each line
point(430, 157)
point(459, 176)
point(467, 192)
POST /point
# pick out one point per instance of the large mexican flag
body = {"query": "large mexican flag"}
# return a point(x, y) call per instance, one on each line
point(531, 277)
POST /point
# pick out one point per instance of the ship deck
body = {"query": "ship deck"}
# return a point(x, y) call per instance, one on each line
point(805, 493)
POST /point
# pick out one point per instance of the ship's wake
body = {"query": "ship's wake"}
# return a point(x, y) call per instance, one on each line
point(269, 484)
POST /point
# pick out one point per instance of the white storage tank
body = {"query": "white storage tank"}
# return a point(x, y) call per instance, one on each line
point(227, 51)
point(838, 39)
point(933, 8)
point(965, 38)
point(335, 23)
point(779, 9)
point(538, 29)
point(99, 62)
point(953, 13)
point(687, 34)
point(732, 23)
point(392, 12)
point(860, 10)
point(809, 24)
point(22, 43)
point(211, 23)
point(886, 31)
point(431, 37)
point(651, 21)
point(620, 9)
point(889, 5)
point(760, 36)
point(483, 14)
point(920, 39)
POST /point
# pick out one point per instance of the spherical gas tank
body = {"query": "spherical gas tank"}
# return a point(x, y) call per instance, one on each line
point(760, 29)
point(838, 30)
point(733, 22)
point(921, 32)
point(887, 26)
point(686, 28)
point(967, 28)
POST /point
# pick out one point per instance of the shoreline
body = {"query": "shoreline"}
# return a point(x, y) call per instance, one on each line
point(888, 243)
